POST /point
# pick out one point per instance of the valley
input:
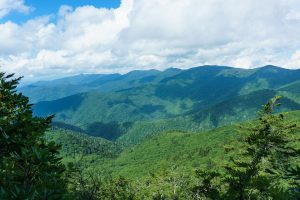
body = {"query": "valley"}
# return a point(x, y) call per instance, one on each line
point(166, 134)
point(133, 106)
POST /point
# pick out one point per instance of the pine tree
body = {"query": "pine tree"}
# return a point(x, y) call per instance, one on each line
point(265, 164)
point(260, 171)
point(29, 167)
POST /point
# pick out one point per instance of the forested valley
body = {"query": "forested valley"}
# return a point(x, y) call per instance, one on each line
point(208, 132)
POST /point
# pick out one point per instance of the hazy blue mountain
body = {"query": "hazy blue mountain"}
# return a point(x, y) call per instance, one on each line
point(200, 98)
point(60, 88)
point(51, 90)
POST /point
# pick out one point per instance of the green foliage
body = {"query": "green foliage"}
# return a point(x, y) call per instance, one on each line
point(158, 126)
point(190, 100)
point(93, 186)
point(74, 144)
point(29, 167)
point(161, 164)
point(119, 189)
point(260, 167)
point(208, 186)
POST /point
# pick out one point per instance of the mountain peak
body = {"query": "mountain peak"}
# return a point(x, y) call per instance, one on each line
point(272, 67)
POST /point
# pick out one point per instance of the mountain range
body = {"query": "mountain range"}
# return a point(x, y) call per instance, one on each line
point(130, 107)
point(157, 128)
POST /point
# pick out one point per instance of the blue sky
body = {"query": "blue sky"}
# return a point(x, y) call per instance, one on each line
point(49, 7)
point(44, 39)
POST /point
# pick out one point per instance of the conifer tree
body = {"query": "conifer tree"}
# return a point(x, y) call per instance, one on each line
point(29, 167)
point(265, 165)
point(260, 171)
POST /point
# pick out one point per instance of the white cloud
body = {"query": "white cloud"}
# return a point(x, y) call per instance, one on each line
point(294, 61)
point(154, 34)
point(7, 6)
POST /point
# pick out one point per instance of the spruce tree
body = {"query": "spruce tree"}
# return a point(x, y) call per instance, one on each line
point(261, 170)
point(29, 167)
point(265, 164)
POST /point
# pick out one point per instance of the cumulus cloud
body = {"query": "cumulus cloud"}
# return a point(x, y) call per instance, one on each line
point(7, 6)
point(143, 34)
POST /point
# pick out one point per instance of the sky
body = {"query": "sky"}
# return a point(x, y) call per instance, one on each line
point(43, 39)
point(36, 8)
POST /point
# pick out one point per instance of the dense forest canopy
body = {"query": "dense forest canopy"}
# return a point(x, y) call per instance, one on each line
point(165, 158)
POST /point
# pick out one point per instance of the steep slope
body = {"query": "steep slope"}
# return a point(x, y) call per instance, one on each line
point(192, 100)
point(291, 90)
point(237, 109)
point(127, 120)
point(241, 108)
point(212, 84)
point(174, 151)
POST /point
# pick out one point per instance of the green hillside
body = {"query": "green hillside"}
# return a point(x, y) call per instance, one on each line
point(132, 127)
point(170, 135)
point(182, 152)
point(75, 144)
point(237, 109)
point(291, 90)
point(157, 165)
point(189, 100)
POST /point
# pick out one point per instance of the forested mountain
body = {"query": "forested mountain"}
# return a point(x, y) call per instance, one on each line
point(149, 100)
point(183, 150)
point(116, 107)
point(194, 134)
point(56, 89)
point(160, 163)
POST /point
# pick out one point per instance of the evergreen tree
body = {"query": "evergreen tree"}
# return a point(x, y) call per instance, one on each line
point(208, 187)
point(29, 167)
point(265, 164)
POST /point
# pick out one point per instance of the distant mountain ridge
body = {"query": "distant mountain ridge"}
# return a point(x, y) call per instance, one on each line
point(63, 87)
point(112, 106)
